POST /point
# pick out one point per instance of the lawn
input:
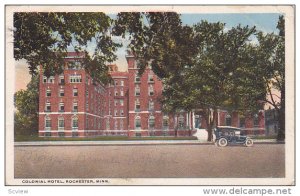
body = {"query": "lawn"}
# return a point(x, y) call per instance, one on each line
point(27, 138)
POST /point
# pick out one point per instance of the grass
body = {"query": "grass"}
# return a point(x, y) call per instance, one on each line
point(27, 138)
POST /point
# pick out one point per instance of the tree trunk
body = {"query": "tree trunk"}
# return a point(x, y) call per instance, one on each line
point(281, 121)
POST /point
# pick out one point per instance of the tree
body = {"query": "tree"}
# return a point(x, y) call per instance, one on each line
point(271, 67)
point(218, 79)
point(27, 106)
point(45, 38)
point(158, 39)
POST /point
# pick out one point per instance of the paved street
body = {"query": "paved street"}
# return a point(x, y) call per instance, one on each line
point(145, 161)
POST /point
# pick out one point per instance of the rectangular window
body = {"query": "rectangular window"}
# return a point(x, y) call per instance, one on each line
point(228, 121)
point(116, 83)
point(151, 91)
point(75, 123)
point(61, 134)
point(121, 124)
point(255, 120)
point(48, 93)
point(116, 102)
point(151, 105)
point(121, 102)
point(61, 92)
point(137, 123)
point(75, 92)
point(87, 106)
point(48, 124)
point(75, 134)
point(61, 123)
point(121, 92)
point(116, 124)
point(61, 80)
point(122, 83)
point(61, 107)
point(44, 79)
point(116, 93)
point(87, 93)
point(48, 107)
point(137, 106)
point(74, 78)
point(116, 112)
point(51, 79)
point(150, 78)
point(137, 91)
point(121, 113)
point(75, 107)
point(137, 78)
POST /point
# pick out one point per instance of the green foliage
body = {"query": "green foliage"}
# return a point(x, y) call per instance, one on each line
point(27, 105)
point(44, 39)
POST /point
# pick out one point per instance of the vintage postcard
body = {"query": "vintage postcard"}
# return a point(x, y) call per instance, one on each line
point(150, 95)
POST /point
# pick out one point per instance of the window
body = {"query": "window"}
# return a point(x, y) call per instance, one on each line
point(150, 78)
point(255, 120)
point(87, 93)
point(116, 112)
point(48, 134)
point(61, 107)
point(51, 79)
point(116, 93)
point(137, 91)
point(48, 107)
point(137, 105)
point(121, 124)
point(181, 121)
point(151, 122)
point(75, 92)
point(242, 122)
point(116, 102)
point(151, 91)
point(74, 65)
point(121, 92)
point(74, 78)
point(137, 123)
point(151, 105)
point(61, 134)
point(61, 92)
point(121, 112)
point(137, 78)
point(165, 122)
point(48, 93)
point(75, 122)
point(228, 120)
point(121, 102)
point(87, 106)
point(107, 124)
point(61, 80)
point(116, 124)
point(75, 134)
point(75, 107)
point(44, 79)
point(122, 83)
point(47, 123)
point(61, 123)
point(116, 83)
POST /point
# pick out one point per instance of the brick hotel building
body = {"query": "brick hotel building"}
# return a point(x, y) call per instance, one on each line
point(73, 105)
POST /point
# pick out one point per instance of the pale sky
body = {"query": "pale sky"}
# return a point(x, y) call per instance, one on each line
point(263, 22)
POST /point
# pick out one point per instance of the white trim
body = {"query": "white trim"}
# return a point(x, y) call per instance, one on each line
point(143, 112)
point(120, 77)
point(120, 117)
point(74, 113)
point(81, 131)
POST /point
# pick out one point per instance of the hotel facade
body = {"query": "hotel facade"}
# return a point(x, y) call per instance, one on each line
point(72, 104)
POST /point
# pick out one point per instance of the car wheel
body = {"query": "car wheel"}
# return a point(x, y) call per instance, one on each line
point(222, 142)
point(249, 142)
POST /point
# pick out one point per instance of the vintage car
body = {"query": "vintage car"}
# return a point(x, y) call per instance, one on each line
point(225, 135)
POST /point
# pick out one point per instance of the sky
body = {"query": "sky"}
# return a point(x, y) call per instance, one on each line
point(265, 22)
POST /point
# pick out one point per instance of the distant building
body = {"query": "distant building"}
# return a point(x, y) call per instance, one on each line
point(74, 105)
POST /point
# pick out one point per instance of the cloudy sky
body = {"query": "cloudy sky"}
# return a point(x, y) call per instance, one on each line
point(265, 22)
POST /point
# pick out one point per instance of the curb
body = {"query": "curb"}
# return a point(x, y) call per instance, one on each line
point(127, 143)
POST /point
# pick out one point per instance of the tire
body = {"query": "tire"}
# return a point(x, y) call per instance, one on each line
point(222, 142)
point(249, 142)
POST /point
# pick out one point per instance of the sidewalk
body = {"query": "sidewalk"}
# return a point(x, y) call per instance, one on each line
point(141, 142)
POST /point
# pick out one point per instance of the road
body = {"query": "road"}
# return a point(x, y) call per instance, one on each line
point(150, 161)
